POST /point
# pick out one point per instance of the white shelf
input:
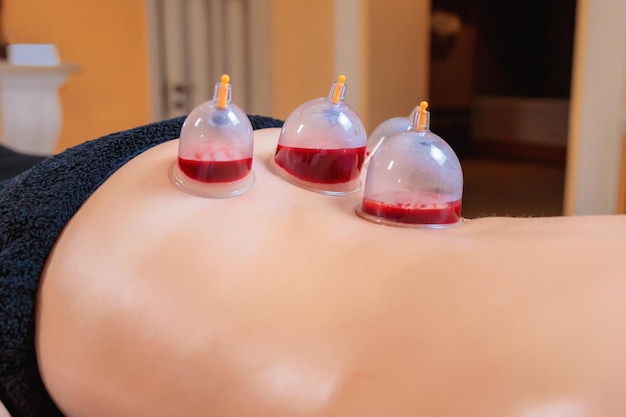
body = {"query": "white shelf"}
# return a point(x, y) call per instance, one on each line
point(30, 106)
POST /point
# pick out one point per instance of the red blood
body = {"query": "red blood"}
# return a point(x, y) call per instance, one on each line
point(215, 171)
point(326, 166)
point(414, 213)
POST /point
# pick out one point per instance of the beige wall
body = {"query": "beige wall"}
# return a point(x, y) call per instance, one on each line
point(107, 40)
point(397, 58)
point(302, 52)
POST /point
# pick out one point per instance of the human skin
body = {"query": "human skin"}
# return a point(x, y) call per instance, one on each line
point(3, 411)
point(283, 302)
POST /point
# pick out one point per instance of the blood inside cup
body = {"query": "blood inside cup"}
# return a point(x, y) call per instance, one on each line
point(423, 211)
point(321, 166)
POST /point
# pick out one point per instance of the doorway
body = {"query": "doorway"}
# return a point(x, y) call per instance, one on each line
point(500, 77)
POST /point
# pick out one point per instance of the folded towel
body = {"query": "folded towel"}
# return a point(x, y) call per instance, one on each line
point(35, 206)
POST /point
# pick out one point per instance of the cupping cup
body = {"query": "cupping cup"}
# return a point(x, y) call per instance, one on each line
point(215, 148)
point(414, 179)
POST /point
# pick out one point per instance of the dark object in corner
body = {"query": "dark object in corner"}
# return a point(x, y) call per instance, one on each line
point(13, 163)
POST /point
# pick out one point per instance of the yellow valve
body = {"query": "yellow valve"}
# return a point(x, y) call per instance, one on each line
point(423, 116)
point(222, 98)
point(338, 89)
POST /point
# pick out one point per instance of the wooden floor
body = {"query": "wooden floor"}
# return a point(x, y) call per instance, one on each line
point(494, 187)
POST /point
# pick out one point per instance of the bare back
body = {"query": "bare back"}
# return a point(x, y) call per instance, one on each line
point(283, 302)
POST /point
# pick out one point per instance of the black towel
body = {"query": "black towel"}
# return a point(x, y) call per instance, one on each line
point(34, 208)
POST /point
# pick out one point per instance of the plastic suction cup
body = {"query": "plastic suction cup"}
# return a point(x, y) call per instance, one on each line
point(215, 148)
point(387, 129)
point(414, 180)
point(321, 146)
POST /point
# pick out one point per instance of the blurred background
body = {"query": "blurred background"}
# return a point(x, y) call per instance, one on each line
point(507, 83)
